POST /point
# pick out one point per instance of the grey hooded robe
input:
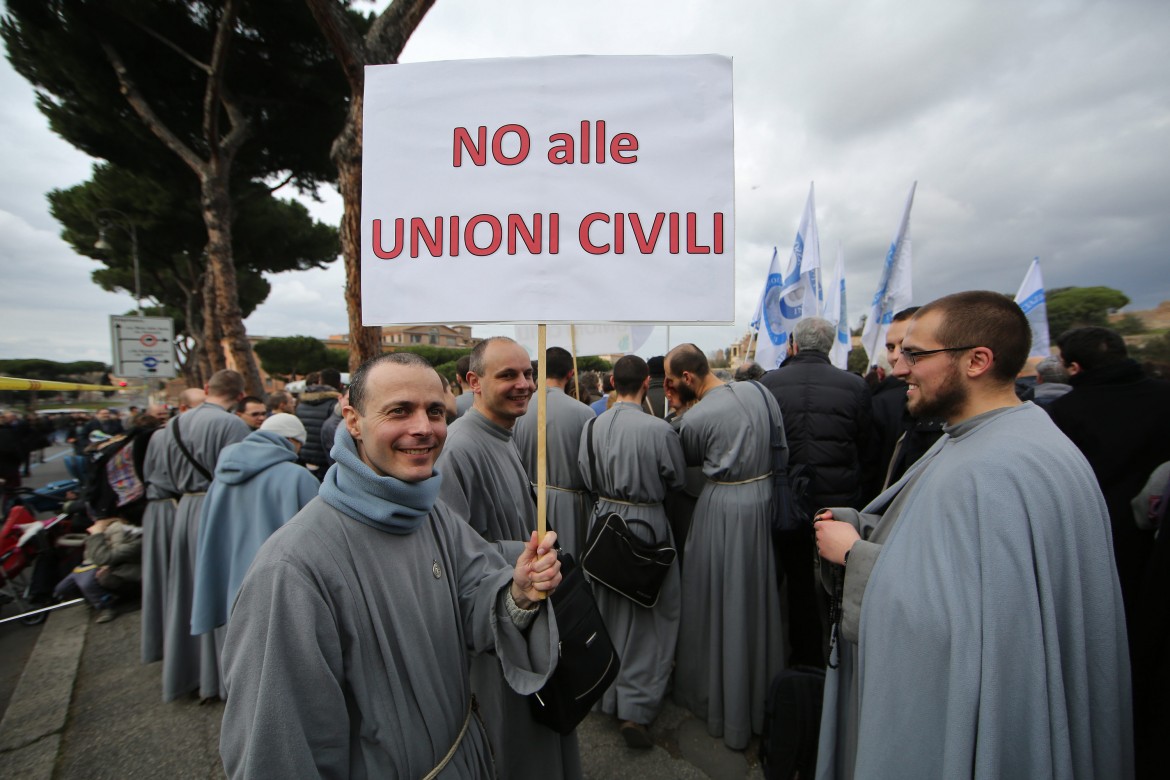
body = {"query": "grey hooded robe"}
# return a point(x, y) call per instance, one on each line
point(991, 634)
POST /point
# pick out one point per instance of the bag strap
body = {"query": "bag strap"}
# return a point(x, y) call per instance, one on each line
point(187, 453)
point(592, 456)
point(772, 442)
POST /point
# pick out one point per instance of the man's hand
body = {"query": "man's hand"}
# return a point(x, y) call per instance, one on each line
point(537, 573)
point(833, 538)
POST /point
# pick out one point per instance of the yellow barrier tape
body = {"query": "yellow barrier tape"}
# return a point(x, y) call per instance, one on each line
point(12, 383)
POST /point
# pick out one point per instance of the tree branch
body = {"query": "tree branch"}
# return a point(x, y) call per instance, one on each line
point(213, 95)
point(141, 107)
point(348, 47)
point(392, 29)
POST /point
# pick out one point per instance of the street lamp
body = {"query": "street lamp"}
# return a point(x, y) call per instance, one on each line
point(104, 220)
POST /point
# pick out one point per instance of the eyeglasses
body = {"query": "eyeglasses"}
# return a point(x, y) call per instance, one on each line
point(912, 357)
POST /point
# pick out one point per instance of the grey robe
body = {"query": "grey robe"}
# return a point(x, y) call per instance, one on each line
point(346, 654)
point(484, 482)
point(190, 663)
point(991, 621)
point(569, 505)
point(157, 523)
point(639, 458)
point(730, 638)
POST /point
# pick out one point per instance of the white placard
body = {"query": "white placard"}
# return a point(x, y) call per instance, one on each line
point(143, 346)
point(550, 189)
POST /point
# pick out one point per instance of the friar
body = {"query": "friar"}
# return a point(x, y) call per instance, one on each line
point(348, 647)
point(485, 482)
point(982, 632)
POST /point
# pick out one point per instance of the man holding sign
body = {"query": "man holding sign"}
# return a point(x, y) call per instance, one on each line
point(346, 653)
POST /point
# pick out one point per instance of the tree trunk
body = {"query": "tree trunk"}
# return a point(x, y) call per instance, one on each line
point(217, 214)
point(364, 343)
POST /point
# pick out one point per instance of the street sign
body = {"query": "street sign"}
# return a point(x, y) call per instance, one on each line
point(143, 346)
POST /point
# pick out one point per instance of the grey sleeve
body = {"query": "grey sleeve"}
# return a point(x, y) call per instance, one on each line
point(862, 556)
point(282, 664)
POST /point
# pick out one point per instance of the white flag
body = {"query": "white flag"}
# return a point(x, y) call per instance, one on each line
point(836, 312)
point(894, 291)
point(790, 297)
point(1031, 299)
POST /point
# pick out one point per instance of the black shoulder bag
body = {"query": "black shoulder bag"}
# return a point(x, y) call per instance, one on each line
point(587, 663)
point(619, 560)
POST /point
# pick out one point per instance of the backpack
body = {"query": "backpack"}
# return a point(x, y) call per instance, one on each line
point(792, 723)
point(113, 484)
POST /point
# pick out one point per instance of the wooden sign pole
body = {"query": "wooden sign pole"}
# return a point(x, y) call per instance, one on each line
point(541, 432)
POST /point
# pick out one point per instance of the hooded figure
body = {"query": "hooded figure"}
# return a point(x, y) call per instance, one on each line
point(258, 487)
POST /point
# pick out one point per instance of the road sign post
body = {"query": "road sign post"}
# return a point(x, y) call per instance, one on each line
point(143, 347)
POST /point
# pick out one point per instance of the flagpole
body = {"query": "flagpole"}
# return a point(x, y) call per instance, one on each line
point(541, 434)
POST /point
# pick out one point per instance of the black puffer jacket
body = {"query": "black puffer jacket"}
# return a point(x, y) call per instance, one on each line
point(828, 420)
point(313, 408)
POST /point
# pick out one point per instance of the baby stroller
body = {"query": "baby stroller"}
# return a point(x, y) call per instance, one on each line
point(24, 538)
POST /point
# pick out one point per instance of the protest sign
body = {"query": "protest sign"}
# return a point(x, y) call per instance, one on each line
point(551, 189)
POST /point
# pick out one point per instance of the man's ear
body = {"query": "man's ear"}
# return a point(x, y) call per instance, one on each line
point(980, 361)
point(473, 382)
point(646, 385)
point(350, 415)
point(1073, 368)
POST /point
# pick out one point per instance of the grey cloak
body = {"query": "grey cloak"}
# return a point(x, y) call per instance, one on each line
point(991, 634)
point(730, 639)
point(346, 653)
point(569, 505)
point(639, 458)
point(157, 523)
point(190, 663)
point(484, 482)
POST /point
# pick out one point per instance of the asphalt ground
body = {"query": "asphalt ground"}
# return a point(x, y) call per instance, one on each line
point(83, 706)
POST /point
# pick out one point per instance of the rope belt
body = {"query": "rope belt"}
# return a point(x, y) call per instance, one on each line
point(562, 489)
point(196, 493)
point(626, 503)
point(472, 706)
point(744, 481)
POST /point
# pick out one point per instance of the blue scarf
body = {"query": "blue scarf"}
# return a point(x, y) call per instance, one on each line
point(385, 503)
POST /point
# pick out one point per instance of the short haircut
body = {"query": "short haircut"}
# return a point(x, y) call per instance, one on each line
point(607, 383)
point(461, 366)
point(312, 378)
point(331, 377)
point(1051, 369)
point(277, 399)
point(357, 386)
point(749, 371)
point(477, 364)
point(688, 357)
point(242, 406)
point(225, 384)
point(629, 372)
point(905, 314)
point(814, 334)
point(1092, 348)
point(982, 318)
point(558, 362)
point(657, 365)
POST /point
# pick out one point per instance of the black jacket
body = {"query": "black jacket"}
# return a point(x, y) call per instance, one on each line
point(1120, 420)
point(313, 408)
point(828, 419)
point(892, 423)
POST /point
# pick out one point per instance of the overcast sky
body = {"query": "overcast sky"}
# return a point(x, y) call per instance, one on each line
point(1033, 129)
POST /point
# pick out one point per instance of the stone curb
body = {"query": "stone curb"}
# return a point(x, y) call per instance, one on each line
point(31, 731)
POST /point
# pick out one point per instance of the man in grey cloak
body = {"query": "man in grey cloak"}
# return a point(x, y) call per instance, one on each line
point(636, 459)
point(157, 524)
point(569, 504)
point(484, 482)
point(730, 638)
point(162, 497)
point(347, 648)
point(981, 633)
point(190, 663)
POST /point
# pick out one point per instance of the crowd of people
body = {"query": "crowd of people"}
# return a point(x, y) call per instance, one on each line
point(357, 572)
